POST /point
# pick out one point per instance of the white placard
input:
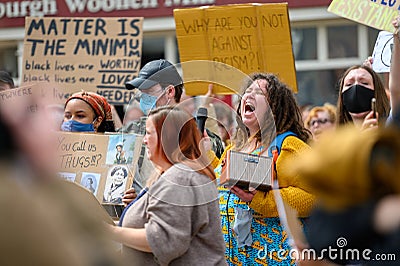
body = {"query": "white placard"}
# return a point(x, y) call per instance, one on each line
point(382, 53)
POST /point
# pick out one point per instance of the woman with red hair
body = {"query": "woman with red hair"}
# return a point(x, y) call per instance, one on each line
point(177, 220)
point(87, 112)
point(321, 119)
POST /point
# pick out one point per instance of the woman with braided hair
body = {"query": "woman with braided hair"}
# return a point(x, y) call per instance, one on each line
point(87, 112)
point(250, 221)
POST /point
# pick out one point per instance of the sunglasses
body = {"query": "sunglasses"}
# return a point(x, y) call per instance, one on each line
point(319, 121)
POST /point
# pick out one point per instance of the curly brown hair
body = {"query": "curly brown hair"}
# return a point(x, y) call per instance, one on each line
point(282, 106)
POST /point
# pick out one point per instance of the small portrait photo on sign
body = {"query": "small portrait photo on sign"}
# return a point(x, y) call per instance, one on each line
point(116, 182)
point(120, 149)
point(90, 181)
point(67, 176)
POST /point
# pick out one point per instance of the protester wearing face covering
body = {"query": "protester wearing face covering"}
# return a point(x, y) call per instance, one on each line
point(357, 87)
point(159, 84)
point(87, 112)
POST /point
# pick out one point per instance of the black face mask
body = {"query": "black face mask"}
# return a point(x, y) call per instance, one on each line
point(357, 99)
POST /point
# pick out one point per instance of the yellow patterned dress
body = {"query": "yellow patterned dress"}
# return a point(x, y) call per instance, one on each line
point(269, 241)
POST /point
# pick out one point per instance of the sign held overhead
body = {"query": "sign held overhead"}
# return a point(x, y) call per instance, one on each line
point(92, 54)
point(248, 37)
point(373, 13)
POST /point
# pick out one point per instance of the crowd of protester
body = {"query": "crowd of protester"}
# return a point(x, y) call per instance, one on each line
point(333, 176)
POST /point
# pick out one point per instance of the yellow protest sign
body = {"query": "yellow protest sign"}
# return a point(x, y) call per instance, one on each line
point(243, 38)
point(74, 54)
point(373, 13)
point(104, 164)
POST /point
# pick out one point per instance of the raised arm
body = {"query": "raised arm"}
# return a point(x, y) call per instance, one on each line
point(394, 76)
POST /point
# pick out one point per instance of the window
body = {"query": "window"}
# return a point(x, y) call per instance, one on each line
point(372, 35)
point(152, 49)
point(317, 87)
point(159, 45)
point(305, 43)
point(323, 52)
point(343, 41)
point(8, 59)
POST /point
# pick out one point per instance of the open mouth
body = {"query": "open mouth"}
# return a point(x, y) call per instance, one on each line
point(248, 108)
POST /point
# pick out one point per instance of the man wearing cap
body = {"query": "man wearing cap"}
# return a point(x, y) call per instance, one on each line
point(157, 84)
point(6, 81)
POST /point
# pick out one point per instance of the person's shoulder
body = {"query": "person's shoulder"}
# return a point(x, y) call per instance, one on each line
point(184, 175)
point(181, 185)
point(294, 143)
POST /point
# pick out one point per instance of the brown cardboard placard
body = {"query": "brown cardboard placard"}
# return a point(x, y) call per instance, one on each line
point(246, 37)
point(32, 99)
point(376, 14)
point(92, 161)
point(74, 54)
point(22, 99)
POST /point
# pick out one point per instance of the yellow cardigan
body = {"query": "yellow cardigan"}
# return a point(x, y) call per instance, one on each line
point(292, 188)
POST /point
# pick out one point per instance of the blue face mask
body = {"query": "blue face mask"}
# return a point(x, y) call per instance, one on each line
point(147, 102)
point(75, 126)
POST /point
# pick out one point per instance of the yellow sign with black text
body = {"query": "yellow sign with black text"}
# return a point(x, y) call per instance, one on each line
point(376, 14)
point(245, 37)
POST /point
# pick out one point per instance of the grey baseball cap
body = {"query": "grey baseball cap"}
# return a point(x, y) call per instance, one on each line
point(155, 72)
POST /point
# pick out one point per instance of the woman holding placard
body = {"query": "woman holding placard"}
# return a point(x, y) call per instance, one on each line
point(87, 112)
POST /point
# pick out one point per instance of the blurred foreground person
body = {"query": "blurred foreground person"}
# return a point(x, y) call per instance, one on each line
point(356, 180)
point(45, 220)
point(176, 222)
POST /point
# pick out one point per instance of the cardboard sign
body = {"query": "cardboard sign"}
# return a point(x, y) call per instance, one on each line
point(22, 98)
point(245, 37)
point(32, 100)
point(74, 54)
point(374, 13)
point(382, 53)
point(247, 170)
point(104, 164)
